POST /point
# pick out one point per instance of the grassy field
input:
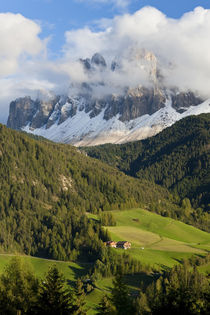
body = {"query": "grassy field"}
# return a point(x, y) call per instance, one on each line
point(158, 241)
point(40, 266)
point(72, 271)
point(205, 269)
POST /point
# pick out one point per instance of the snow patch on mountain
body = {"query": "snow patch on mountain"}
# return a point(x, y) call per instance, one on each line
point(81, 130)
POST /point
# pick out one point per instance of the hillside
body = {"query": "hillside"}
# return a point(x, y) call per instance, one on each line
point(156, 240)
point(72, 272)
point(177, 158)
point(46, 189)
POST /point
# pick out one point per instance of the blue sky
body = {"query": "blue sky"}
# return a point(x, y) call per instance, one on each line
point(58, 16)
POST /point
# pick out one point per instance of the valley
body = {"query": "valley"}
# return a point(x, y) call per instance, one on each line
point(104, 157)
point(60, 205)
point(157, 242)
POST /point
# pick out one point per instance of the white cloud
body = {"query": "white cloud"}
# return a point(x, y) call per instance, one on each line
point(181, 46)
point(19, 43)
point(18, 39)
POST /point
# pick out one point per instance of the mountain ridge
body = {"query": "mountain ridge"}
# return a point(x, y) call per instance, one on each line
point(177, 158)
point(93, 113)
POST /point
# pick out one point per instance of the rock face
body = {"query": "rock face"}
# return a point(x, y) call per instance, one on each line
point(21, 112)
point(96, 62)
point(25, 111)
point(135, 103)
point(37, 114)
point(182, 101)
point(133, 114)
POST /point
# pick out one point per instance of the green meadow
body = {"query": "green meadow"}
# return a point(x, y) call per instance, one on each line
point(156, 240)
point(41, 266)
point(72, 271)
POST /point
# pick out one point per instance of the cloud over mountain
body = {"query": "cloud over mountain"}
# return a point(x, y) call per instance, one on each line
point(181, 47)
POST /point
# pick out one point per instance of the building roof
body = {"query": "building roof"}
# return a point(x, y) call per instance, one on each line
point(122, 242)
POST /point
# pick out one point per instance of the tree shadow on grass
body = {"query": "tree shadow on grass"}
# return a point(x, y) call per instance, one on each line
point(81, 271)
point(180, 261)
point(135, 281)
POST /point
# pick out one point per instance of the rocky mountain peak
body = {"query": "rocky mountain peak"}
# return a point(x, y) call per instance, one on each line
point(147, 61)
point(83, 116)
point(98, 60)
point(21, 111)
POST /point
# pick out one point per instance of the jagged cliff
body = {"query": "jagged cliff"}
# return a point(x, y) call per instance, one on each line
point(85, 119)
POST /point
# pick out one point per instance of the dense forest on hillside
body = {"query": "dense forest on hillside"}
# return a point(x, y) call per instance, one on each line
point(178, 158)
point(46, 189)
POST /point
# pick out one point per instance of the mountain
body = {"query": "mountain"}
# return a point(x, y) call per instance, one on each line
point(177, 158)
point(46, 189)
point(99, 110)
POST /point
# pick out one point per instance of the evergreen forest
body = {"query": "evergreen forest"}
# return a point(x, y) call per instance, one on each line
point(178, 291)
point(46, 190)
point(56, 202)
point(178, 158)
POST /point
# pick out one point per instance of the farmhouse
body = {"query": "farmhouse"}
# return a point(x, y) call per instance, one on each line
point(123, 244)
point(111, 244)
point(120, 244)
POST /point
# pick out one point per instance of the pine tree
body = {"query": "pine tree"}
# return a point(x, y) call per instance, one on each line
point(120, 297)
point(80, 298)
point(18, 288)
point(142, 307)
point(105, 307)
point(181, 292)
point(54, 298)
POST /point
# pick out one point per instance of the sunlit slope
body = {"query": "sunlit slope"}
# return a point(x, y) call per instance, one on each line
point(41, 266)
point(157, 240)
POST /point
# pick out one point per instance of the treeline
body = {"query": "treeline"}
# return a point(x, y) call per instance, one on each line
point(23, 293)
point(112, 264)
point(107, 219)
point(61, 235)
point(45, 190)
point(178, 158)
point(199, 260)
point(179, 291)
